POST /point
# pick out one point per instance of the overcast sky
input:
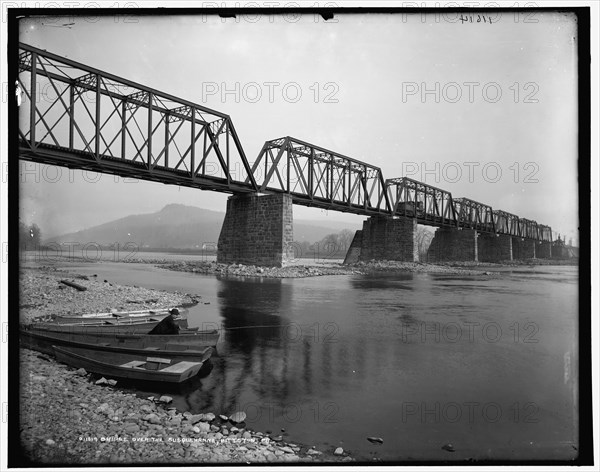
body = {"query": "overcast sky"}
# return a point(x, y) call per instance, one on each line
point(499, 124)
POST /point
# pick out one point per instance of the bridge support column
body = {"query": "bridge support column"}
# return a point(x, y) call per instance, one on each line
point(523, 248)
point(560, 251)
point(257, 230)
point(544, 250)
point(353, 254)
point(392, 239)
point(452, 244)
point(494, 248)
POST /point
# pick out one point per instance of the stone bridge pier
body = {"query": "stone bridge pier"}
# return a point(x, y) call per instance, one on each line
point(494, 248)
point(385, 238)
point(524, 248)
point(257, 230)
point(544, 250)
point(453, 244)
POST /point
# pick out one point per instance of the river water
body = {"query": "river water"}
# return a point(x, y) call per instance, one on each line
point(488, 364)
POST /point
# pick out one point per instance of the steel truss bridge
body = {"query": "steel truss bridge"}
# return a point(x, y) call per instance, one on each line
point(76, 116)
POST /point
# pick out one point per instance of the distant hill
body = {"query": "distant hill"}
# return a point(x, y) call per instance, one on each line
point(181, 227)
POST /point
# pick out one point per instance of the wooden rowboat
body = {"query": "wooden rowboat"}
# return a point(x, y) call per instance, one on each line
point(45, 342)
point(178, 314)
point(127, 366)
point(184, 340)
point(160, 323)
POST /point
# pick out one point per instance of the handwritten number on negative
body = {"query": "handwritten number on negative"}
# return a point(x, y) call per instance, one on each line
point(475, 19)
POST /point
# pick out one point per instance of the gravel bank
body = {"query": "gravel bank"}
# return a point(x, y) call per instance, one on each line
point(298, 271)
point(41, 293)
point(67, 418)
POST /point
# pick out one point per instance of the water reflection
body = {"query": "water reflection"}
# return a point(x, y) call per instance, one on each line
point(408, 319)
point(262, 348)
point(384, 282)
point(281, 344)
point(335, 352)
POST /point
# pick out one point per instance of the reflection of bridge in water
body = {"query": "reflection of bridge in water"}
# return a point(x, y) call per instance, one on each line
point(76, 116)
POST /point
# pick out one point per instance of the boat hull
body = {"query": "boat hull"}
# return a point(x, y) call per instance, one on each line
point(113, 365)
point(175, 342)
point(179, 316)
point(45, 342)
point(158, 324)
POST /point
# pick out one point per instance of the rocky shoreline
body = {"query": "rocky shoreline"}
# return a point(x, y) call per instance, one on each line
point(42, 293)
point(68, 416)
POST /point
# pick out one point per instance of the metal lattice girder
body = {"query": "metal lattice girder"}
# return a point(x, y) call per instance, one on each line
point(474, 215)
point(24, 61)
point(506, 223)
point(414, 199)
point(315, 176)
point(510, 224)
point(528, 229)
point(545, 233)
point(81, 117)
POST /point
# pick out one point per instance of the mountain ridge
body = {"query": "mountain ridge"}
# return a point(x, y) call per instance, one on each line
point(179, 226)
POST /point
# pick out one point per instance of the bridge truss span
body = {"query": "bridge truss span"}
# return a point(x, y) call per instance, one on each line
point(506, 223)
point(73, 115)
point(430, 205)
point(528, 229)
point(510, 224)
point(81, 117)
point(544, 233)
point(436, 207)
point(315, 176)
point(474, 215)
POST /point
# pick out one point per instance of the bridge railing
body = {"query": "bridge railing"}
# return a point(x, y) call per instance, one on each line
point(75, 115)
point(315, 176)
point(414, 199)
point(474, 215)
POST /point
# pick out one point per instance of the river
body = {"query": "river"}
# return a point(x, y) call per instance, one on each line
point(488, 364)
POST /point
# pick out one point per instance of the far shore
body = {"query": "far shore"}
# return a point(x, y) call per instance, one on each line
point(298, 268)
point(359, 268)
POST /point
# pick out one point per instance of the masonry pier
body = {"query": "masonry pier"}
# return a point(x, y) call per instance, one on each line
point(353, 254)
point(385, 238)
point(544, 250)
point(257, 230)
point(453, 244)
point(494, 248)
point(524, 248)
